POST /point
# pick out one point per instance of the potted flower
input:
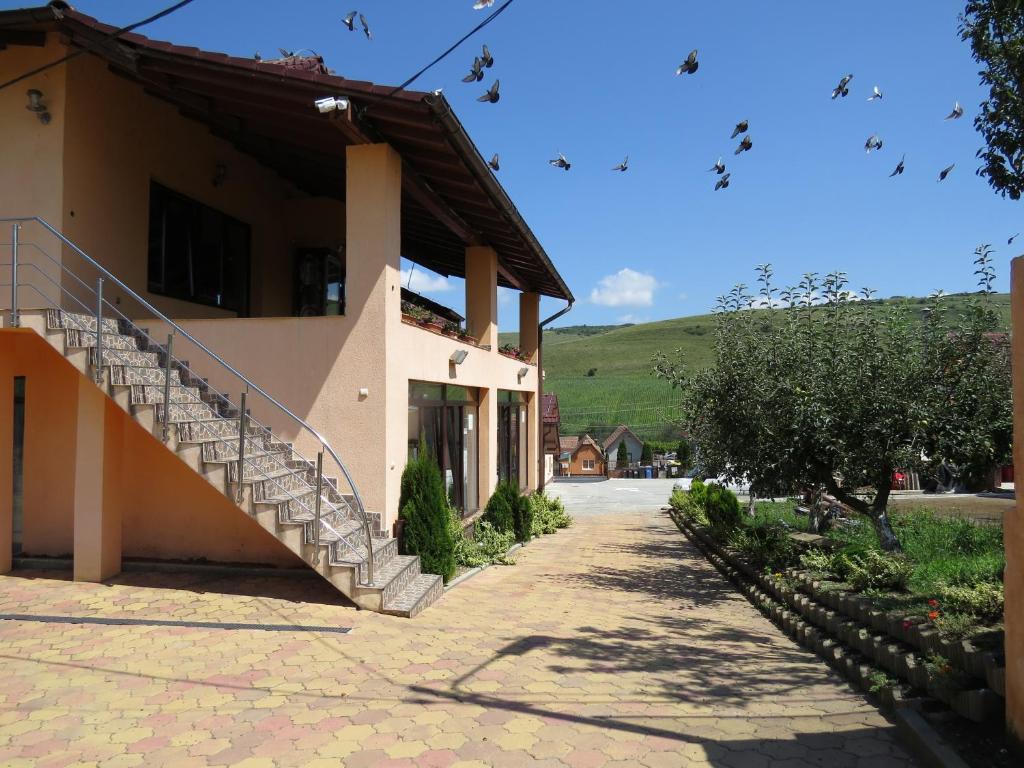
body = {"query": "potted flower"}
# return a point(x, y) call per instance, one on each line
point(450, 328)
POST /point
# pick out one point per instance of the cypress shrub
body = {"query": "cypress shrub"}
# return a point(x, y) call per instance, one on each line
point(723, 508)
point(424, 508)
point(523, 519)
point(504, 509)
point(622, 456)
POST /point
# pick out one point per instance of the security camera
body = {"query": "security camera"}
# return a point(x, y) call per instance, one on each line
point(330, 104)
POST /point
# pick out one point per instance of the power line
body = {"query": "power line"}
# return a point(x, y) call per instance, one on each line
point(112, 36)
point(461, 40)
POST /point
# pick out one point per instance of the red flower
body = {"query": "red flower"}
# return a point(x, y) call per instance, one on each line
point(907, 625)
point(933, 603)
point(933, 615)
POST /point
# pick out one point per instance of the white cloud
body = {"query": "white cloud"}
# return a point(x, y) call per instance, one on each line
point(626, 288)
point(425, 282)
point(631, 318)
point(683, 296)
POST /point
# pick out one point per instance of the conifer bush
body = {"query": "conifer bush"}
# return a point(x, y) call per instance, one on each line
point(508, 510)
point(424, 508)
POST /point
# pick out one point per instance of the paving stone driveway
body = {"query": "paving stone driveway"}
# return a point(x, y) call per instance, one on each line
point(611, 643)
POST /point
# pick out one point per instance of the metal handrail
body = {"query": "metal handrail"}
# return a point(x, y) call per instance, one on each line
point(324, 443)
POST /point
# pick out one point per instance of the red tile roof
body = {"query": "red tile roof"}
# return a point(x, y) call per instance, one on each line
point(549, 409)
point(621, 430)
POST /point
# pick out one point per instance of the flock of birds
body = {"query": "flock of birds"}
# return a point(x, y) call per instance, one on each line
point(689, 66)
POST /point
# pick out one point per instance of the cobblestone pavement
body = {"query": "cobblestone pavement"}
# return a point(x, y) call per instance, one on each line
point(611, 643)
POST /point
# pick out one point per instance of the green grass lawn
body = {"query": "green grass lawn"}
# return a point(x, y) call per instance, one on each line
point(621, 389)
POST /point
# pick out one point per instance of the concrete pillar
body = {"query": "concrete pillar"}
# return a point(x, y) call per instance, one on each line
point(373, 247)
point(534, 441)
point(482, 295)
point(1013, 528)
point(6, 459)
point(529, 318)
point(96, 513)
point(487, 443)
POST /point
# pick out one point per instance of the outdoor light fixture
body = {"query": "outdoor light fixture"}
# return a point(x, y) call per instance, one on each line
point(523, 372)
point(459, 356)
point(35, 104)
point(331, 103)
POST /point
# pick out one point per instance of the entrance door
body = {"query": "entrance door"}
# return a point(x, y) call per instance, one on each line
point(319, 283)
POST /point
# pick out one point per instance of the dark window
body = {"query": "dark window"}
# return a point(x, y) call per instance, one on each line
point(19, 460)
point(319, 282)
point(196, 253)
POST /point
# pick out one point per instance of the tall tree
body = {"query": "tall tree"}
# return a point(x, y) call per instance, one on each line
point(622, 456)
point(995, 30)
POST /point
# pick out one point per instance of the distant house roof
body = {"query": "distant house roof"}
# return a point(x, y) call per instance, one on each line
point(568, 444)
point(588, 440)
point(621, 430)
point(549, 406)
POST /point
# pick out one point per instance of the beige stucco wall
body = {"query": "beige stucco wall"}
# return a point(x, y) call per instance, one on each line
point(1013, 528)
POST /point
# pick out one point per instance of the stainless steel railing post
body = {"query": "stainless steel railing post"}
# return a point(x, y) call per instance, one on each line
point(242, 429)
point(99, 331)
point(316, 521)
point(14, 275)
point(167, 388)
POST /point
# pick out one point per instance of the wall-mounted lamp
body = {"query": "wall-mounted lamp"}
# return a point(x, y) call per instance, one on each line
point(331, 104)
point(35, 104)
point(522, 373)
point(220, 173)
point(458, 356)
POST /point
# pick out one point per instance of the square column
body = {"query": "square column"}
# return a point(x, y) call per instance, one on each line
point(535, 441)
point(97, 514)
point(373, 247)
point(487, 444)
point(1013, 526)
point(529, 319)
point(6, 461)
point(482, 295)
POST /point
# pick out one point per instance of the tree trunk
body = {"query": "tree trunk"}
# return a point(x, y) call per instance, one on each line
point(886, 536)
point(875, 511)
point(752, 502)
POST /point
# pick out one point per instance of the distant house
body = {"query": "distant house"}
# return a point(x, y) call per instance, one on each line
point(550, 423)
point(634, 446)
point(581, 456)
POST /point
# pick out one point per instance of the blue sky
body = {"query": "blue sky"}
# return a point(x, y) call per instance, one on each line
point(596, 81)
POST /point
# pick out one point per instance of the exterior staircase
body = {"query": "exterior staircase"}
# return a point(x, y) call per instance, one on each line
point(273, 484)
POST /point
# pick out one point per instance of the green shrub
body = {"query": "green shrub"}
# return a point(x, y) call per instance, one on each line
point(764, 546)
point(878, 570)
point(427, 529)
point(698, 493)
point(548, 514)
point(508, 510)
point(493, 544)
point(985, 600)
point(722, 508)
point(523, 519)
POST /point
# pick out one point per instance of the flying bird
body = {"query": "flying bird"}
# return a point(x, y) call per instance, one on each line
point(492, 94)
point(899, 168)
point(842, 89)
point(350, 20)
point(945, 172)
point(479, 5)
point(561, 162)
point(623, 166)
point(1012, 238)
point(875, 94)
point(874, 142)
point(718, 167)
point(745, 145)
point(690, 65)
point(366, 27)
point(476, 72)
point(723, 183)
point(957, 112)
point(494, 163)
point(741, 127)
point(486, 58)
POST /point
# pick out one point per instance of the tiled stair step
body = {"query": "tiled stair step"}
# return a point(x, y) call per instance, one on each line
point(284, 484)
point(423, 591)
point(126, 375)
point(396, 575)
point(384, 550)
point(225, 449)
point(143, 394)
point(58, 319)
point(77, 338)
point(213, 430)
point(186, 412)
point(295, 508)
point(123, 357)
point(258, 467)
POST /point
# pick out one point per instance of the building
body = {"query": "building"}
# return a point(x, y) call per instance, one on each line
point(582, 457)
point(550, 423)
point(248, 217)
point(634, 447)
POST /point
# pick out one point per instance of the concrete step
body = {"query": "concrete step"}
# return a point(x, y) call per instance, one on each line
point(179, 412)
point(422, 592)
point(112, 341)
point(59, 319)
point(153, 393)
point(128, 375)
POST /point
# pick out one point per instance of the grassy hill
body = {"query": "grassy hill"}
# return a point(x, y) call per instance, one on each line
point(620, 388)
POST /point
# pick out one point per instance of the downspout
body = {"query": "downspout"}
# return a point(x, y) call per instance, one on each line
point(540, 389)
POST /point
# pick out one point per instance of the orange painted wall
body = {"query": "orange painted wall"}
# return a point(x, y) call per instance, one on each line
point(590, 453)
point(167, 510)
point(1013, 528)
